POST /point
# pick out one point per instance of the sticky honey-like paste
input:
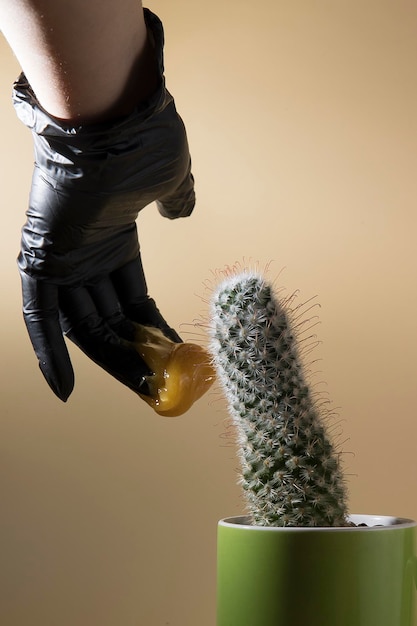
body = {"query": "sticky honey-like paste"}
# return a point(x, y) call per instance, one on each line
point(182, 371)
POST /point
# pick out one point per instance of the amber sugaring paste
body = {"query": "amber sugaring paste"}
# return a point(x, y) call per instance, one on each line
point(183, 371)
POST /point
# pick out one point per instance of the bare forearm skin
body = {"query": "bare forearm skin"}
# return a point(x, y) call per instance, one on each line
point(86, 60)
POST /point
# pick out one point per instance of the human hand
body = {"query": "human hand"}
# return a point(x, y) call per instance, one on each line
point(80, 260)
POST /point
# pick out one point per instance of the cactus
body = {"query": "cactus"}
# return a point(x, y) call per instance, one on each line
point(290, 470)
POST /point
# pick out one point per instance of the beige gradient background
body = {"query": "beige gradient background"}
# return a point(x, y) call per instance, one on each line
point(301, 118)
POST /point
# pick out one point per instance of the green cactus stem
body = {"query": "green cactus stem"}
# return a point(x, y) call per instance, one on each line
point(290, 470)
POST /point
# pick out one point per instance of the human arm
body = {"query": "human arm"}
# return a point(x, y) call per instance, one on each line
point(80, 260)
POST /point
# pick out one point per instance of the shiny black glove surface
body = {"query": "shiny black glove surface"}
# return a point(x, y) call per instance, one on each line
point(80, 261)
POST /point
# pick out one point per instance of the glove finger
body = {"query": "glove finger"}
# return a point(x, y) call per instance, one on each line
point(41, 315)
point(99, 297)
point(108, 307)
point(89, 331)
point(130, 284)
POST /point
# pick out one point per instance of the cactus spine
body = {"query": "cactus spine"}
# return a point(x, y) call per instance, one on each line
point(291, 474)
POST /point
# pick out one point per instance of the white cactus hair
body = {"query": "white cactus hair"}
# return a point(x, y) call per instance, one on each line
point(290, 471)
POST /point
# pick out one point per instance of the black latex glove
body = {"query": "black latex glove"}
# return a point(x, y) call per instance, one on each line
point(80, 262)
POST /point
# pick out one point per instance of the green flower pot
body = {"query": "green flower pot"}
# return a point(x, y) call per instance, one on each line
point(352, 576)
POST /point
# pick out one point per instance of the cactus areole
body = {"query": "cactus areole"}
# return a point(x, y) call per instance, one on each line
point(290, 471)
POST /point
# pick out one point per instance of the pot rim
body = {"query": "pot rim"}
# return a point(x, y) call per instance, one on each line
point(374, 523)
